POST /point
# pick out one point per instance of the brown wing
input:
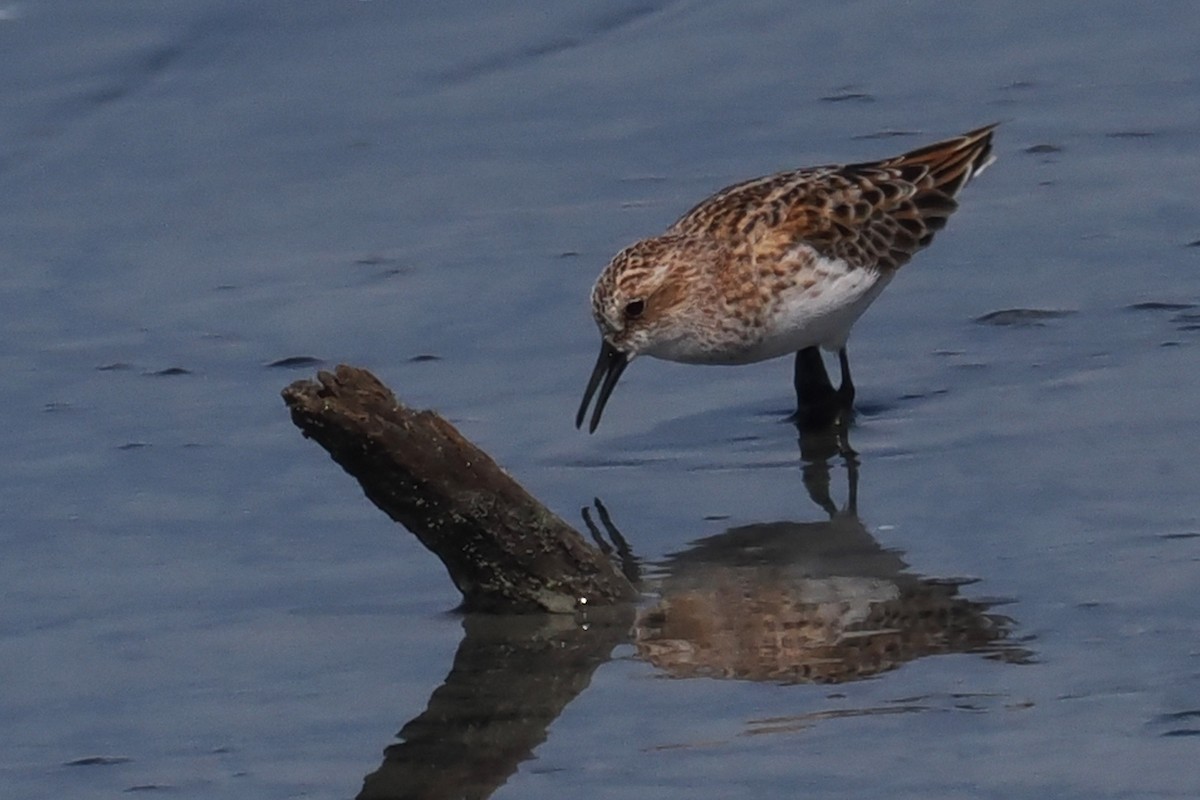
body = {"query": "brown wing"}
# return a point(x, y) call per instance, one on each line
point(874, 214)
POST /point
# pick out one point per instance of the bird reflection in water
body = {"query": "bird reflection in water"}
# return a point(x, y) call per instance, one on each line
point(807, 602)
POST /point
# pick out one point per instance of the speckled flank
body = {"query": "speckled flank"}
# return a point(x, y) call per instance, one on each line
point(782, 262)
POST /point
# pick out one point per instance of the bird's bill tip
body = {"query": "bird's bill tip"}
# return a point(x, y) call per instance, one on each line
point(605, 374)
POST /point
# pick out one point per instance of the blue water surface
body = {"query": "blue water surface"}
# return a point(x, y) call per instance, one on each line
point(199, 603)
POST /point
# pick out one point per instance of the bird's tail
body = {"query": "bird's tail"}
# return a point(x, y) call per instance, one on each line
point(936, 173)
point(949, 165)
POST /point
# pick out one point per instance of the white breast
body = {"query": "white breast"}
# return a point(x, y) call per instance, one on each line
point(821, 314)
point(818, 308)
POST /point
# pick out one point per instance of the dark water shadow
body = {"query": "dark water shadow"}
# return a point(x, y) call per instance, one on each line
point(784, 602)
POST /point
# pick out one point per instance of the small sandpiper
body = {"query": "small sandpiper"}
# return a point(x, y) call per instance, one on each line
point(776, 265)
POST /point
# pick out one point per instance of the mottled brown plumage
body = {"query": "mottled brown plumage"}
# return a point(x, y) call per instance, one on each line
point(777, 264)
point(873, 214)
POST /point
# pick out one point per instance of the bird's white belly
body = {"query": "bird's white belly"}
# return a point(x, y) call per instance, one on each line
point(821, 315)
point(804, 314)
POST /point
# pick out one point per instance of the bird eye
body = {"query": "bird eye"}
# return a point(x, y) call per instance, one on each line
point(634, 308)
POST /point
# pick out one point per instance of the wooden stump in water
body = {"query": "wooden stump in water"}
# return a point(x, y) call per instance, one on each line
point(504, 550)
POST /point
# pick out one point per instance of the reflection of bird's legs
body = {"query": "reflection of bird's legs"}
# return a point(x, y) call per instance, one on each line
point(817, 448)
point(851, 480)
point(629, 562)
point(815, 475)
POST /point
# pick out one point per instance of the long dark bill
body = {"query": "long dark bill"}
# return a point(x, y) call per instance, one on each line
point(609, 366)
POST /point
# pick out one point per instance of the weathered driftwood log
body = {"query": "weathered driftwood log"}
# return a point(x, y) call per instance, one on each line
point(505, 551)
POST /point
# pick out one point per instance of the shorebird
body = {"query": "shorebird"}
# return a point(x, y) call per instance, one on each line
point(775, 265)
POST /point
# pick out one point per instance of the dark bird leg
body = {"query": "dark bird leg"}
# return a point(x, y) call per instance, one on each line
point(818, 404)
point(846, 390)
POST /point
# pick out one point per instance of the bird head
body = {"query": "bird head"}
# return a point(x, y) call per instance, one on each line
point(644, 302)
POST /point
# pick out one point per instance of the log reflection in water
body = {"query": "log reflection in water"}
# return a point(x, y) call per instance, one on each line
point(512, 677)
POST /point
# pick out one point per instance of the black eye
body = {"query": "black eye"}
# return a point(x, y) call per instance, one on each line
point(634, 309)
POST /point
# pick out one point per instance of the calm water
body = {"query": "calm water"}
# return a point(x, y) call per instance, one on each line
point(198, 603)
